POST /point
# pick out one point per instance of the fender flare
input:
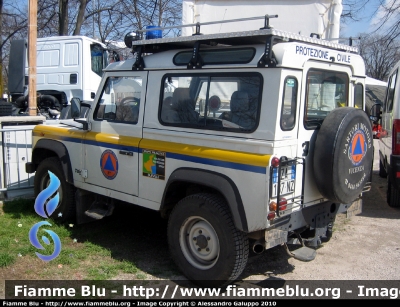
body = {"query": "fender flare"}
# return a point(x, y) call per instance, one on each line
point(60, 150)
point(217, 181)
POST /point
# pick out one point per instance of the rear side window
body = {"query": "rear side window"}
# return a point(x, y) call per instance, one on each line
point(326, 91)
point(390, 92)
point(358, 96)
point(216, 102)
point(218, 56)
point(289, 104)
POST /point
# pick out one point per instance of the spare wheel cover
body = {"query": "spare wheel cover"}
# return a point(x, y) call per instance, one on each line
point(343, 154)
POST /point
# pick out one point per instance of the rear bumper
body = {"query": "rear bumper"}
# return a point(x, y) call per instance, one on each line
point(316, 217)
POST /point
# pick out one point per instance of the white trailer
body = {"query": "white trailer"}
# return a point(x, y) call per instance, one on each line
point(320, 17)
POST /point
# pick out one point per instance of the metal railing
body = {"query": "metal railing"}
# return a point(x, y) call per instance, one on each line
point(16, 148)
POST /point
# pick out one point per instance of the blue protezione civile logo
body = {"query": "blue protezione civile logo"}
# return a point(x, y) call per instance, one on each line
point(45, 209)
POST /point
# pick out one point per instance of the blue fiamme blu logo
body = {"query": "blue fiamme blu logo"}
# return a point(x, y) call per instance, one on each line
point(45, 209)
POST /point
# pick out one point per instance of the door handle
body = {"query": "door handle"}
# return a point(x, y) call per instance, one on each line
point(306, 146)
point(126, 153)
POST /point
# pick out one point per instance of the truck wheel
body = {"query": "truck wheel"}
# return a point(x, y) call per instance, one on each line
point(66, 206)
point(204, 242)
point(343, 155)
point(393, 195)
point(382, 171)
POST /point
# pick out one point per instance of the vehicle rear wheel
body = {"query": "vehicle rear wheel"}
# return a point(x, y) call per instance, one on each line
point(204, 242)
point(66, 204)
point(382, 171)
point(393, 195)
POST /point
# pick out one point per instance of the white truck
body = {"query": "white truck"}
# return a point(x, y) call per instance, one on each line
point(320, 18)
point(67, 66)
point(291, 150)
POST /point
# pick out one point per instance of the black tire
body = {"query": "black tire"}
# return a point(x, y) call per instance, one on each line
point(21, 102)
point(66, 191)
point(382, 171)
point(5, 108)
point(200, 222)
point(343, 155)
point(393, 195)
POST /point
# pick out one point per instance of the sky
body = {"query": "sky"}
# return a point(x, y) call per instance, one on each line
point(369, 18)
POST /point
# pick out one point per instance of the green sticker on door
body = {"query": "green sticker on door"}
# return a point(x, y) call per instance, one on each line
point(153, 164)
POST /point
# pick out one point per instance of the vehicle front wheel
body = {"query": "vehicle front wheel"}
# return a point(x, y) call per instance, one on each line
point(66, 204)
point(204, 242)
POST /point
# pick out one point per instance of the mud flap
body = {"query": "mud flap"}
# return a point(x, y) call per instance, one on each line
point(354, 209)
point(304, 254)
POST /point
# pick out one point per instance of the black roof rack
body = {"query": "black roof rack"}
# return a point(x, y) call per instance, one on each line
point(266, 36)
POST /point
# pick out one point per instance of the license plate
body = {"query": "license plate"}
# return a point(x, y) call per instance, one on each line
point(275, 237)
point(288, 176)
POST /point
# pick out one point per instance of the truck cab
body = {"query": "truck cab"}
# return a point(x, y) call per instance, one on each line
point(67, 66)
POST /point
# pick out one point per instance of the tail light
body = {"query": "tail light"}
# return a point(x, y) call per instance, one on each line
point(273, 206)
point(275, 162)
point(396, 137)
point(283, 204)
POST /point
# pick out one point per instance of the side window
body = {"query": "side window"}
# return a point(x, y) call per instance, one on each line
point(120, 100)
point(325, 91)
point(358, 96)
point(390, 92)
point(216, 102)
point(97, 57)
point(289, 104)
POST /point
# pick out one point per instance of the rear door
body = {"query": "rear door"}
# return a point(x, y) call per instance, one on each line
point(325, 87)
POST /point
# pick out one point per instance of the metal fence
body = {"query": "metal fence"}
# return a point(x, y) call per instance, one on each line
point(16, 148)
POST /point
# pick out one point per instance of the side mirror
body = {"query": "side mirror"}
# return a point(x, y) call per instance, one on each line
point(75, 108)
point(115, 56)
point(375, 112)
point(76, 105)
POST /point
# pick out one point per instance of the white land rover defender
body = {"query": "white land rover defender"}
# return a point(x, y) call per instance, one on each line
point(244, 140)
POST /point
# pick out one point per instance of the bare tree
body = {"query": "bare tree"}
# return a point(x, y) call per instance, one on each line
point(81, 16)
point(387, 11)
point(379, 55)
point(390, 22)
point(109, 19)
point(63, 17)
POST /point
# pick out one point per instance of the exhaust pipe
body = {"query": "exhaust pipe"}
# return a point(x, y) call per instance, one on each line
point(258, 247)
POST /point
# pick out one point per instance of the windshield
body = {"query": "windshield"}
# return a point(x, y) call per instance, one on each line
point(99, 58)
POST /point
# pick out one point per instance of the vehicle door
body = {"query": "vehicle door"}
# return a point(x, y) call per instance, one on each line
point(325, 87)
point(111, 146)
point(385, 140)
